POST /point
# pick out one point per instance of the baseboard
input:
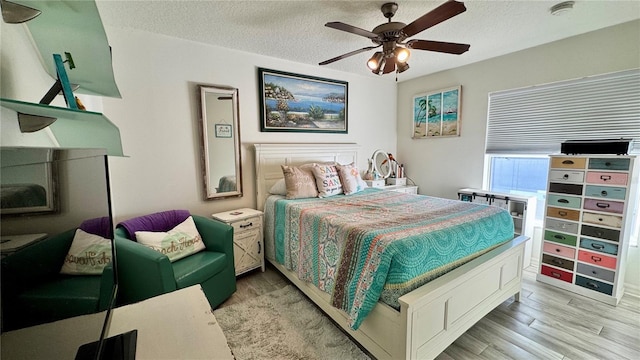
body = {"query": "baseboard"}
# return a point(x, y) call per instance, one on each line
point(632, 290)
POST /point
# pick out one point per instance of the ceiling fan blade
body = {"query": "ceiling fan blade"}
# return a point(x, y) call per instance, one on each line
point(434, 17)
point(348, 54)
point(439, 46)
point(351, 29)
point(389, 66)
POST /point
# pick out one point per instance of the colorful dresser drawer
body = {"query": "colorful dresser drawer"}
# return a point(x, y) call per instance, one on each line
point(605, 192)
point(566, 239)
point(601, 233)
point(564, 214)
point(566, 175)
point(599, 246)
point(559, 262)
point(557, 273)
point(568, 162)
point(572, 202)
point(598, 177)
point(559, 250)
point(604, 205)
point(594, 285)
point(609, 164)
point(602, 219)
point(561, 188)
point(597, 259)
point(565, 226)
point(596, 272)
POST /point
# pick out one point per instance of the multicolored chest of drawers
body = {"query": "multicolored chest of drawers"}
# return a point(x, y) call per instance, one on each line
point(588, 224)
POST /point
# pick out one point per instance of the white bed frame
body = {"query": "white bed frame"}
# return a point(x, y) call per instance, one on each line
point(430, 317)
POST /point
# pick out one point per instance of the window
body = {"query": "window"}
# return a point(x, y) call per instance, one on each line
point(521, 175)
point(525, 125)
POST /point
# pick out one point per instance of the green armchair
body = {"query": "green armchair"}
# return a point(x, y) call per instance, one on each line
point(34, 291)
point(144, 272)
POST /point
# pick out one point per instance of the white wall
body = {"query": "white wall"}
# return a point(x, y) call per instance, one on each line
point(158, 114)
point(441, 166)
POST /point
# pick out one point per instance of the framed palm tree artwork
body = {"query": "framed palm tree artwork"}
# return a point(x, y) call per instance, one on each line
point(437, 113)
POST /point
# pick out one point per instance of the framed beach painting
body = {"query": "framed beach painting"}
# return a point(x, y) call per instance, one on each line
point(437, 113)
point(293, 102)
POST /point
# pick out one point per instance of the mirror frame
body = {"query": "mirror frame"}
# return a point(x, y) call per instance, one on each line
point(378, 166)
point(210, 192)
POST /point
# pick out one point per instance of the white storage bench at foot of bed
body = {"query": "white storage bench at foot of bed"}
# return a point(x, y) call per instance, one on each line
point(436, 314)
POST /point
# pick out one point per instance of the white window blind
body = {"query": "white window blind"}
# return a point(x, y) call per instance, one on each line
point(536, 120)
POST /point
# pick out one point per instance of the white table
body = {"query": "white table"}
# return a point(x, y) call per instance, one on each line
point(177, 325)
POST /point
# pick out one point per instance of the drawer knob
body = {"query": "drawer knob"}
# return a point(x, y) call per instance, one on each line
point(564, 201)
point(568, 162)
point(559, 237)
point(246, 225)
point(602, 205)
point(597, 246)
point(558, 250)
point(605, 177)
point(555, 274)
point(604, 193)
point(565, 176)
point(607, 163)
point(596, 258)
point(563, 213)
point(557, 261)
point(592, 285)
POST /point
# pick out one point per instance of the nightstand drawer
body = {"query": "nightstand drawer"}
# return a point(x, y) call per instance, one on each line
point(247, 224)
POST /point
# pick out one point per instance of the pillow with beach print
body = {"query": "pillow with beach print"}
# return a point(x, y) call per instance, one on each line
point(350, 178)
point(88, 254)
point(181, 241)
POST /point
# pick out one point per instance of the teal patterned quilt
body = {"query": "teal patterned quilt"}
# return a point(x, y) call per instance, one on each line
point(379, 245)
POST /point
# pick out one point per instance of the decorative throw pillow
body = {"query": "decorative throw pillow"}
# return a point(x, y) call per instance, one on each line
point(279, 188)
point(327, 180)
point(299, 182)
point(181, 241)
point(88, 255)
point(350, 178)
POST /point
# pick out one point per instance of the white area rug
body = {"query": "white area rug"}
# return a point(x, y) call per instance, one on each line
point(283, 324)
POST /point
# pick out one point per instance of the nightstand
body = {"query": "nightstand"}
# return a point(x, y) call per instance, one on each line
point(409, 189)
point(248, 244)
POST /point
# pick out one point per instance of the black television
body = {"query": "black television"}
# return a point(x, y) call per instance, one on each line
point(47, 192)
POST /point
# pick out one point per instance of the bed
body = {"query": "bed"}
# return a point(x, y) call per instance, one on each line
point(423, 321)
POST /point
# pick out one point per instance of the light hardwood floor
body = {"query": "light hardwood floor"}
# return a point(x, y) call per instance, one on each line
point(547, 323)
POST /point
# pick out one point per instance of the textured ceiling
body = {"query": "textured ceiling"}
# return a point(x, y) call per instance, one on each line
point(294, 30)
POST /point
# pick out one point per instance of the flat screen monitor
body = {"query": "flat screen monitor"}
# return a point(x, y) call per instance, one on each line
point(47, 197)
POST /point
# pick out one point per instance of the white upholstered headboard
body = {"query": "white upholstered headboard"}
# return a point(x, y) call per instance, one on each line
point(269, 158)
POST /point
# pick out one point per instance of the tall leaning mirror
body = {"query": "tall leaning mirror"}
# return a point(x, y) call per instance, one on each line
point(220, 142)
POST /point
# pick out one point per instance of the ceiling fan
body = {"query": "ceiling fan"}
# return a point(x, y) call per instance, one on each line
point(392, 35)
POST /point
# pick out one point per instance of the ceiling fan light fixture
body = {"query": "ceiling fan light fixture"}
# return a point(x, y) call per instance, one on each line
point(402, 55)
point(375, 63)
point(561, 8)
point(402, 68)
